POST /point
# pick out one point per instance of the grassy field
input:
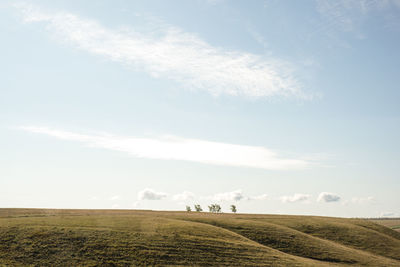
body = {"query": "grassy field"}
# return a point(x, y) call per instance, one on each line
point(389, 222)
point(41, 237)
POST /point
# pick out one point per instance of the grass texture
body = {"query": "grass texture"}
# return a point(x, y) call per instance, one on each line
point(44, 237)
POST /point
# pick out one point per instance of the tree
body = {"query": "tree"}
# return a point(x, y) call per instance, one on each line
point(215, 208)
point(211, 208)
point(198, 208)
point(233, 208)
point(188, 209)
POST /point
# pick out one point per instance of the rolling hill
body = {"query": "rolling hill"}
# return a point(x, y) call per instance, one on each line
point(44, 237)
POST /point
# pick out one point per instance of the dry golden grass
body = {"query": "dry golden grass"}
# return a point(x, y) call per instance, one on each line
point(388, 222)
point(42, 237)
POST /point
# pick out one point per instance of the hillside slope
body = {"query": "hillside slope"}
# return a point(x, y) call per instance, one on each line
point(121, 237)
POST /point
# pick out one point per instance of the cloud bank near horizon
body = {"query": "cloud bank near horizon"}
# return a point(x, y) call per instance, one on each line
point(237, 196)
point(295, 198)
point(173, 54)
point(185, 149)
point(328, 197)
point(151, 194)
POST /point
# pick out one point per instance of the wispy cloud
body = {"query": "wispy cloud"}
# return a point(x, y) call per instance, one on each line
point(350, 15)
point(173, 54)
point(337, 13)
point(151, 194)
point(257, 36)
point(236, 195)
point(328, 197)
point(295, 198)
point(178, 148)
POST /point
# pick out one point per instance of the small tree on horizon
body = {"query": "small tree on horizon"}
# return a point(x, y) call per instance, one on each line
point(198, 208)
point(217, 208)
point(214, 208)
point(233, 208)
point(211, 208)
point(188, 209)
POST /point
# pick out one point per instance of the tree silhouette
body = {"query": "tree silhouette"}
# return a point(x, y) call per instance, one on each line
point(211, 208)
point(198, 208)
point(233, 208)
point(215, 208)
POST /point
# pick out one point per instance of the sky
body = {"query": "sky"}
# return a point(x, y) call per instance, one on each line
point(277, 107)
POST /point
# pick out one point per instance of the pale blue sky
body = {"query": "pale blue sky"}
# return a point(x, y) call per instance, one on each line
point(275, 106)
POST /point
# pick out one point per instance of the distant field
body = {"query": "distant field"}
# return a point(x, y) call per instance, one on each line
point(388, 222)
point(42, 237)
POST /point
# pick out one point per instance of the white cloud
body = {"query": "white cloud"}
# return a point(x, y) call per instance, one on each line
point(295, 198)
point(236, 195)
point(184, 196)
point(178, 148)
point(328, 197)
point(259, 197)
point(150, 194)
point(173, 54)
